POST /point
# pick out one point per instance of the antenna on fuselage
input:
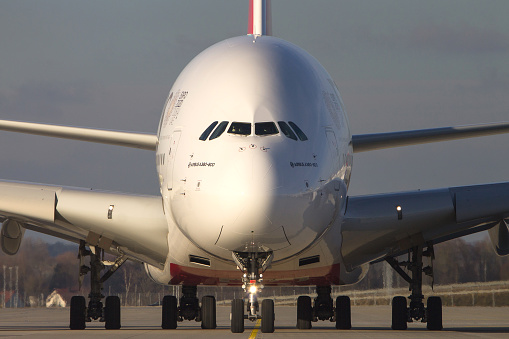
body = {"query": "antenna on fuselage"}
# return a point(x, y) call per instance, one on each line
point(260, 17)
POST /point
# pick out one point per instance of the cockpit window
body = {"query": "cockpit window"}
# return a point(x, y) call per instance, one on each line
point(240, 128)
point(299, 132)
point(265, 128)
point(209, 129)
point(290, 129)
point(219, 130)
point(287, 131)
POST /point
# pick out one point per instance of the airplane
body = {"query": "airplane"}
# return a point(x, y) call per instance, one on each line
point(254, 193)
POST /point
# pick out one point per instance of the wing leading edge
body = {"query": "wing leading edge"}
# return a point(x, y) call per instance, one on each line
point(371, 142)
point(134, 225)
point(126, 139)
point(384, 225)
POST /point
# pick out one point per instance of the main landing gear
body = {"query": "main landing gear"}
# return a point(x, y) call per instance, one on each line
point(401, 314)
point(252, 264)
point(189, 309)
point(323, 309)
point(110, 313)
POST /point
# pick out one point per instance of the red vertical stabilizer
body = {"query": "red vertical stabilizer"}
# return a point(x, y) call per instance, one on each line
point(260, 18)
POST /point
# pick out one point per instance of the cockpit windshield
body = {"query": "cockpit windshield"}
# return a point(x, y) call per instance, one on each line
point(299, 132)
point(265, 128)
point(219, 130)
point(287, 131)
point(261, 129)
point(209, 129)
point(240, 128)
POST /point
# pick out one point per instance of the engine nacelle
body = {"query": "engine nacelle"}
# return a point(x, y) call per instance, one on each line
point(11, 236)
point(499, 236)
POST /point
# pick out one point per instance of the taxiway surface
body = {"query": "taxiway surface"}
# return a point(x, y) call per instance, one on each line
point(367, 321)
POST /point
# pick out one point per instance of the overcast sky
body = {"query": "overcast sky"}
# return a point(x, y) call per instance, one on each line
point(398, 64)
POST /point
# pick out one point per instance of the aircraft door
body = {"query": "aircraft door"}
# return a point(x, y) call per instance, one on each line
point(174, 142)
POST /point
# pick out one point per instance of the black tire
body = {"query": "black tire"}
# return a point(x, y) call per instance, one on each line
point(434, 313)
point(304, 313)
point(399, 313)
point(237, 316)
point(208, 312)
point(170, 312)
point(268, 316)
point(112, 313)
point(78, 313)
point(343, 313)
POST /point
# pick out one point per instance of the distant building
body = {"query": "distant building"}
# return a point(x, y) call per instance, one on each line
point(10, 299)
point(61, 297)
point(55, 300)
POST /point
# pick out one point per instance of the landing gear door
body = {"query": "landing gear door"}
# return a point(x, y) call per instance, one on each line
point(174, 142)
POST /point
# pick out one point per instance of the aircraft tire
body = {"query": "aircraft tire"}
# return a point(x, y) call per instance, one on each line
point(237, 316)
point(268, 316)
point(112, 313)
point(304, 313)
point(343, 313)
point(170, 312)
point(208, 312)
point(434, 314)
point(399, 313)
point(78, 313)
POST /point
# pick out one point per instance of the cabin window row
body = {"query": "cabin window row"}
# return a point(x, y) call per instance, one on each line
point(290, 129)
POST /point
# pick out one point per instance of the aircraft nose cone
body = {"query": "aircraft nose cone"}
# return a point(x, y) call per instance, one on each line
point(247, 200)
point(250, 191)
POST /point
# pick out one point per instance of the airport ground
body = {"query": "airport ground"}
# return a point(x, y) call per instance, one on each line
point(367, 321)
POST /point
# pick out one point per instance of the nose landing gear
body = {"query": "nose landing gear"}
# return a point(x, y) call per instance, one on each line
point(253, 264)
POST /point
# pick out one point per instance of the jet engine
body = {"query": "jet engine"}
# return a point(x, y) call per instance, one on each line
point(11, 236)
point(499, 236)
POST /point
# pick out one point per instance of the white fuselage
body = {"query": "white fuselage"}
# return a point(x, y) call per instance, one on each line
point(252, 190)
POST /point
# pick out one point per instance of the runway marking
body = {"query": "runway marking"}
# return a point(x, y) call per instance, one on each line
point(254, 332)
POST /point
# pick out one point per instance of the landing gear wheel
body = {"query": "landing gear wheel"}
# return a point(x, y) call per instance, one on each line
point(268, 316)
point(112, 313)
point(78, 310)
point(399, 313)
point(237, 316)
point(208, 312)
point(304, 313)
point(170, 312)
point(434, 313)
point(343, 313)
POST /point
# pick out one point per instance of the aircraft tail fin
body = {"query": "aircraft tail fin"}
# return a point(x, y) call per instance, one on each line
point(260, 17)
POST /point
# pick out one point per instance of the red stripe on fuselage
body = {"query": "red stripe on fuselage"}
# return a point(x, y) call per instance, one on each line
point(326, 275)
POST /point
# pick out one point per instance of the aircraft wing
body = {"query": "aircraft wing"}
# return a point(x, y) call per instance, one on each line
point(119, 223)
point(384, 225)
point(371, 142)
point(126, 139)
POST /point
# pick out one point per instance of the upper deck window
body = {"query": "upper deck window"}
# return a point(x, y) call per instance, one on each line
point(299, 132)
point(240, 128)
point(287, 131)
point(209, 129)
point(265, 128)
point(219, 130)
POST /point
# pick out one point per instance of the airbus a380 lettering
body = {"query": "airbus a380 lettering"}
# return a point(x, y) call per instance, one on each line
point(254, 193)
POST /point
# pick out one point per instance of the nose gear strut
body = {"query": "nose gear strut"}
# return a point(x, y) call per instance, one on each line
point(252, 264)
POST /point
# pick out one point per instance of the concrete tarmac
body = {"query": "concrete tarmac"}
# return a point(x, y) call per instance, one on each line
point(367, 321)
